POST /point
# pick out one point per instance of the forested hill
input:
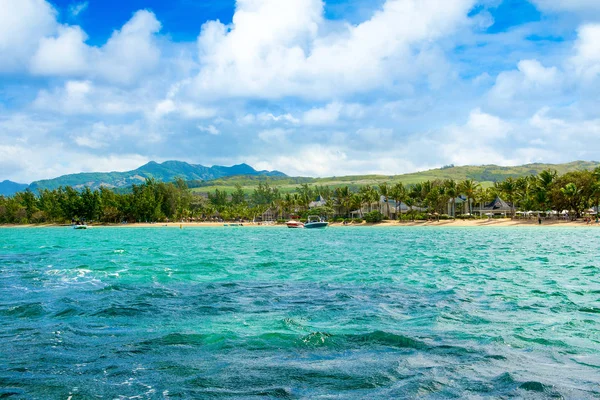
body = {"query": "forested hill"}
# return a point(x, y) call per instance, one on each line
point(164, 172)
point(484, 174)
point(205, 179)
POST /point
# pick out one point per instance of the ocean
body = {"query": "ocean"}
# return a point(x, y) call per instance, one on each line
point(277, 313)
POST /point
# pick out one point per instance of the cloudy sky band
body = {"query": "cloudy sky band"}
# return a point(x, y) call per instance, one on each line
point(304, 86)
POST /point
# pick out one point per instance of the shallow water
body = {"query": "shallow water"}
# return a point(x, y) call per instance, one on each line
point(281, 313)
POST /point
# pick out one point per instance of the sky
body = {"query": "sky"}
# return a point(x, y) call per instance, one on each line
point(307, 87)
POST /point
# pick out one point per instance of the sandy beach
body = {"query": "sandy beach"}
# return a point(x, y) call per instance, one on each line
point(506, 222)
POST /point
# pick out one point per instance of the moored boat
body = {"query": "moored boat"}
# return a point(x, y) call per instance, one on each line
point(294, 224)
point(314, 221)
point(80, 226)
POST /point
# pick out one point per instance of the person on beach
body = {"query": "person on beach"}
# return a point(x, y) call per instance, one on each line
point(539, 220)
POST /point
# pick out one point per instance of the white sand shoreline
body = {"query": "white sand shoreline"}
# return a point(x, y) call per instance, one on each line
point(506, 222)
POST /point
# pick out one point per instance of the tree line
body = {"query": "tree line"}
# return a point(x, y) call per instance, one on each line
point(155, 201)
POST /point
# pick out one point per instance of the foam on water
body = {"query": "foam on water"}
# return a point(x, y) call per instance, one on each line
point(278, 313)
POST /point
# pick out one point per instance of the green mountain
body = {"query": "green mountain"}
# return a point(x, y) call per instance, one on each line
point(8, 188)
point(166, 172)
point(484, 174)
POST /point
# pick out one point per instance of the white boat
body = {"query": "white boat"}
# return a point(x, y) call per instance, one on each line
point(80, 226)
point(294, 224)
point(315, 222)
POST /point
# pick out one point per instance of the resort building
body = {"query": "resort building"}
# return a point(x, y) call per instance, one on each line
point(496, 207)
point(319, 202)
point(391, 212)
point(459, 206)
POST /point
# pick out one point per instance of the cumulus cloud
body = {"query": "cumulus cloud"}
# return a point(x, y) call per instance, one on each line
point(586, 61)
point(478, 141)
point(513, 89)
point(32, 39)
point(65, 54)
point(274, 49)
point(22, 24)
point(130, 51)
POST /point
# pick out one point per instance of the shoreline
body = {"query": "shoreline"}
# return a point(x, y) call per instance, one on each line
point(505, 222)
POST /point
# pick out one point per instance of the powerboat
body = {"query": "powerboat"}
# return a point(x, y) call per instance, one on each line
point(294, 224)
point(315, 222)
point(80, 226)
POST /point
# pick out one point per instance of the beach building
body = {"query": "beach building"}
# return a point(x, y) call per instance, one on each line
point(269, 216)
point(391, 212)
point(460, 205)
point(496, 207)
point(319, 202)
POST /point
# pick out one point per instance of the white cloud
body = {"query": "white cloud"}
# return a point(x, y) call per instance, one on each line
point(65, 54)
point(274, 49)
point(331, 113)
point(22, 24)
point(530, 77)
point(131, 51)
point(77, 8)
point(323, 116)
point(308, 160)
point(481, 140)
point(185, 110)
point(31, 150)
point(276, 135)
point(210, 129)
point(586, 60)
point(84, 97)
point(269, 117)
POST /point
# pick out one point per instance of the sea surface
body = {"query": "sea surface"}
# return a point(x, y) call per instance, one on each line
point(277, 313)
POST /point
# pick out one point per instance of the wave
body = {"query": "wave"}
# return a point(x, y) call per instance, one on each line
point(28, 310)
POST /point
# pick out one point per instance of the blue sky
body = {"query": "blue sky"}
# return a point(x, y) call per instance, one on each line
point(308, 87)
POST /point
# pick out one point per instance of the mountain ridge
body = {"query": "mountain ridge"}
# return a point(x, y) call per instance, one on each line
point(165, 171)
point(8, 188)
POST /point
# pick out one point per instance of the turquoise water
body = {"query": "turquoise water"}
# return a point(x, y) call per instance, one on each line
point(281, 313)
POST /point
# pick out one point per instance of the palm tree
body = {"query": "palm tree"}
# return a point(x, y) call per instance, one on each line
point(305, 194)
point(385, 191)
point(547, 177)
point(365, 197)
point(416, 194)
point(468, 188)
point(509, 187)
point(342, 199)
point(399, 194)
point(451, 190)
point(355, 202)
point(571, 193)
point(373, 198)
